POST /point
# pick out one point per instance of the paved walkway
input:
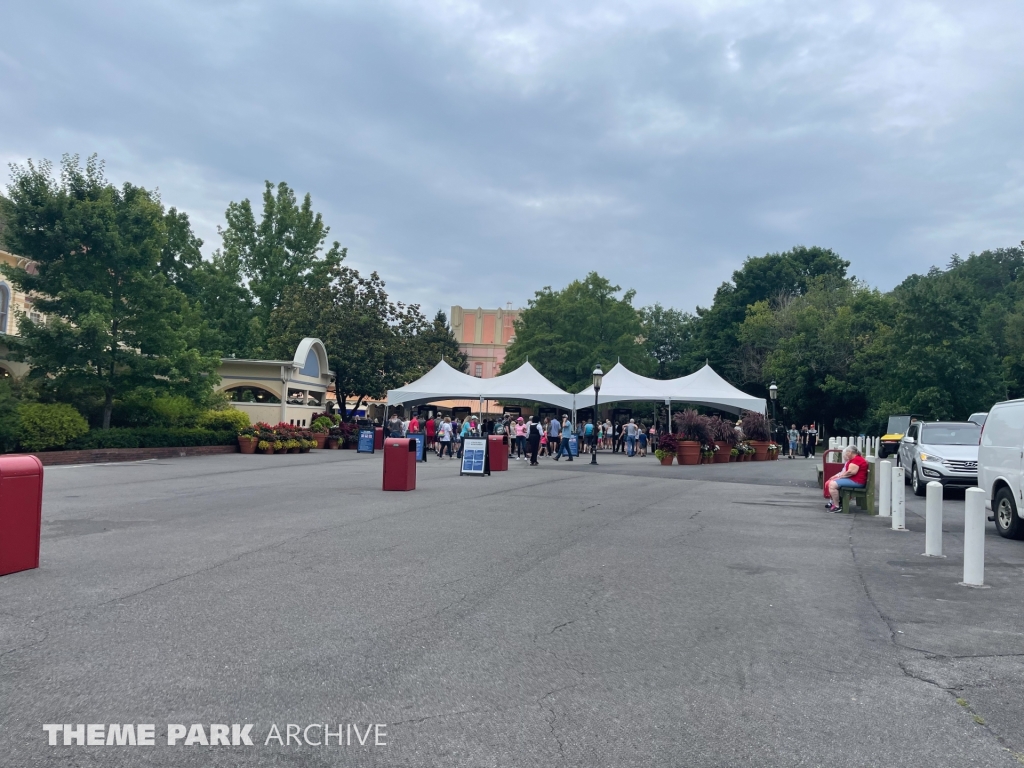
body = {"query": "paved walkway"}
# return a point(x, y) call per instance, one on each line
point(632, 616)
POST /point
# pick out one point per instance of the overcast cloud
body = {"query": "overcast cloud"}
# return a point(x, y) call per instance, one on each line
point(473, 152)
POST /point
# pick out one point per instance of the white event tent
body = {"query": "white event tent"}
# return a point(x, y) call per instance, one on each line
point(705, 387)
point(442, 382)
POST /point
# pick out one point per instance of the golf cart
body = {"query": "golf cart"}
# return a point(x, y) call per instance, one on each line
point(889, 444)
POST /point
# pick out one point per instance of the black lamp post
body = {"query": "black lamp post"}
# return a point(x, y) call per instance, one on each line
point(598, 377)
point(773, 393)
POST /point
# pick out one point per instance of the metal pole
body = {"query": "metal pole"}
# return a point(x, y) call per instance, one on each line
point(593, 448)
point(933, 520)
point(884, 488)
point(899, 488)
point(974, 538)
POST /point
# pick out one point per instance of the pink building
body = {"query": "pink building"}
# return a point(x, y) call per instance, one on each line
point(483, 335)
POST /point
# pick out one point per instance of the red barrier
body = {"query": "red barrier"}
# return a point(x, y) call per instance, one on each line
point(830, 468)
point(399, 464)
point(378, 438)
point(21, 512)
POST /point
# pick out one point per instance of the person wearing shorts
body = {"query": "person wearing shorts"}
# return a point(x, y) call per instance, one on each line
point(854, 475)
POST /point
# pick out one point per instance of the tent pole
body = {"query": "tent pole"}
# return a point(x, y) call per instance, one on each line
point(670, 416)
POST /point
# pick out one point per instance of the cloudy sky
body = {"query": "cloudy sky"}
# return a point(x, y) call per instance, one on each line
point(472, 151)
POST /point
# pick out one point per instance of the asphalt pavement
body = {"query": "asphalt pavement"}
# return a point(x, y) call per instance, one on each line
point(562, 615)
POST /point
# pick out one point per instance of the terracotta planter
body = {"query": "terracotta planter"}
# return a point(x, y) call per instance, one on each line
point(247, 444)
point(268, 451)
point(667, 461)
point(689, 452)
point(303, 450)
point(760, 450)
point(733, 458)
point(722, 457)
point(292, 450)
point(332, 443)
point(321, 439)
point(281, 450)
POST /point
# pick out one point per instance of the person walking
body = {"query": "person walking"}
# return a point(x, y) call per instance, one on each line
point(464, 432)
point(520, 438)
point(394, 426)
point(533, 436)
point(554, 437)
point(590, 436)
point(445, 438)
point(430, 430)
point(812, 441)
point(641, 440)
point(631, 438)
point(563, 444)
point(794, 439)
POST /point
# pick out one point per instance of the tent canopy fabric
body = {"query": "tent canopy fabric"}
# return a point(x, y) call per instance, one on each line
point(705, 387)
point(442, 382)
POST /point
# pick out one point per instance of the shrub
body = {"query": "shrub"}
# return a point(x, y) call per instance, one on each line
point(755, 427)
point(723, 430)
point(43, 426)
point(693, 427)
point(668, 443)
point(151, 437)
point(175, 410)
point(229, 419)
point(322, 424)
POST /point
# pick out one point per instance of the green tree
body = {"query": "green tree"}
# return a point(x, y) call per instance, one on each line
point(670, 337)
point(115, 323)
point(438, 341)
point(281, 251)
point(565, 333)
point(373, 344)
point(775, 278)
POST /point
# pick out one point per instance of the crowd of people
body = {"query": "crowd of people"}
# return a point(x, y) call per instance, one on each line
point(802, 441)
point(530, 438)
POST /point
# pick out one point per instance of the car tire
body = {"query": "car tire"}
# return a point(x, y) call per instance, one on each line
point(1008, 522)
point(917, 482)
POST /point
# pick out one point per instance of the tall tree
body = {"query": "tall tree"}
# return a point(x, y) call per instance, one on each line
point(566, 333)
point(115, 322)
point(438, 342)
point(282, 250)
point(373, 344)
point(671, 340)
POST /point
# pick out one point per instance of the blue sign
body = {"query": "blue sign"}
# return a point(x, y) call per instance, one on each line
point(365, 444)
point(421, 441)
point(474, 456)
point(574, 445)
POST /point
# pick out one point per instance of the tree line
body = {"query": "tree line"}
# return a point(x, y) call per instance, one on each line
point(137, 320)
point(940, 345)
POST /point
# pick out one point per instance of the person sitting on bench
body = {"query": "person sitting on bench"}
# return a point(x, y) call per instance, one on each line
point(854, 475)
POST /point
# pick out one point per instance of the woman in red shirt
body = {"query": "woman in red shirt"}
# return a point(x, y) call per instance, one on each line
point(854, 475)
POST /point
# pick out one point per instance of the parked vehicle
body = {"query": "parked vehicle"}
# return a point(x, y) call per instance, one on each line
point(978, 418)
point(1000, 465)
point(945, 451)
point(889, 444)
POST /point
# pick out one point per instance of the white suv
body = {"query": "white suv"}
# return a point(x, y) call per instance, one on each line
point(1000, 465)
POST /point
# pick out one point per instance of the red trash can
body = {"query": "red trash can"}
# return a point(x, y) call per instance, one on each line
point(378, 438)
point(497, 450)
point(830, 468)
point(399, 464)
point(21, 512)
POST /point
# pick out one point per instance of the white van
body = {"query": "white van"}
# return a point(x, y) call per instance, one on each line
point(1000, 465)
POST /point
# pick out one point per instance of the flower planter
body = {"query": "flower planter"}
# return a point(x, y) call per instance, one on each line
point(667, 461)
point(332, 443)
point(281, 450)
point(689, 452)
point(321, 439)
point(732, 458)
point(247, 444)
point(303, 449)
point(293, 450)
point(267, 451)
point(760, 450)
point(722, 457)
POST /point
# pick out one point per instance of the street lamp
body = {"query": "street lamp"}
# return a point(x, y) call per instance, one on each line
point(773, 393)
point(598, 378)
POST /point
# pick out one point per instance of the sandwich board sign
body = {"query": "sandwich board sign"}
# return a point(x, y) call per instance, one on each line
point(574, 445)
point(365, 444)
point(474, 457)
point(421, 442)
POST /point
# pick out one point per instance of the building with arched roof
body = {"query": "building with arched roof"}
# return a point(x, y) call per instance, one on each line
point(279, 390)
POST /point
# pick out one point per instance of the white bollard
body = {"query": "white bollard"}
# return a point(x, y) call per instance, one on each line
point(974, 538)
point(898, 490)
point(884, 488)
point(933, 520)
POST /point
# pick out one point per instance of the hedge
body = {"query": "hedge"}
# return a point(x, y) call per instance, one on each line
point(151, 437)
point(227, 419)
point(44, 426)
